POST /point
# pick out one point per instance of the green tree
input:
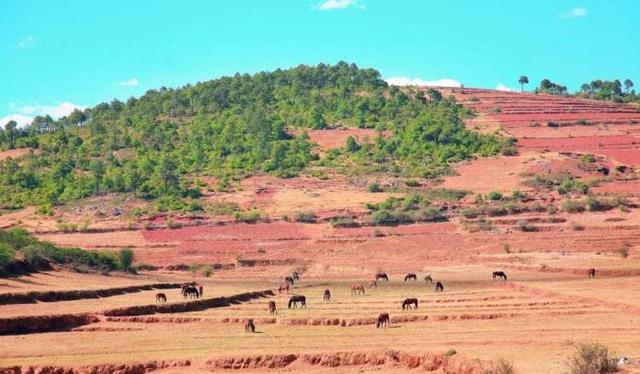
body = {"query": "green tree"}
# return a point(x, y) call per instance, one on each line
point(523, 80)
point(628, 84)
point(10, 133)
point(97, 169)
point(126, 257)
point(352, 145)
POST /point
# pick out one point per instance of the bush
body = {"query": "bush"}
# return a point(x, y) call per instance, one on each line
point(251, 216)
point(450, 352)
point(430, 215)
point(343, 222)
point(573, 206)
point(306, 217)
point(494, 195)
point(384, 217)
point(223, 208)
point(591, 358)
point(173, 224)
point(6, 256)
point(623, 251)
point(470, 213)
point(67, 227)
point(524, 226)
point(375, 187)
point(207, 270)
point(126, 257)
point(496, 211)
point(588, 158)
point(576, 226)
point(502, 366)
point(412, 183)
point(598, 205)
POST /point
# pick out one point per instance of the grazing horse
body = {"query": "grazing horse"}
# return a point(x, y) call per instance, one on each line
point(289, 280)
point(383, 319)
point(382, 276)
point(190, 292)
point(283, 287)
point(439, 287)
point(406, 304)
point(161, 298)
point(357, 289)
point(592, 273)
point(410, 276)
point(200, 290)
point(499, 275)
point(272, 307)
point(295, 276)
point(373, 283)
point(294, 300)
point(327, 295)
point(249, 326)
point(428, 279)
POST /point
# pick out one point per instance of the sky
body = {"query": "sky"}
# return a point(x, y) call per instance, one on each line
point(59, 55)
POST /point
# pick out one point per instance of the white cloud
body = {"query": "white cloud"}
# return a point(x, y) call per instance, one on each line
point(26, 41)
point(574, 13)
point(21, 119)
point(502, 87)
point(130, 83)
point(406, 81)
point(339, 4)
point(23, 114)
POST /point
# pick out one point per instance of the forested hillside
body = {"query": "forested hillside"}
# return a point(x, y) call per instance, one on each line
point(155, 145)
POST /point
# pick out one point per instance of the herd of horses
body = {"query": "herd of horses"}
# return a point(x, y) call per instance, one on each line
point(188, 291)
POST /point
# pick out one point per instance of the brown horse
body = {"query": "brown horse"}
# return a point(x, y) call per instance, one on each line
point(295, 276)
point(410, 276)
point(382, 276)
point(201, 290)
point(294, 300)
point(439, 287)
point(161, 298)
point(592, 273)
point(283, 287)
point(428, 279)
point(357, 289)
point(272, 307)
point(373, 283)
point(383, 319)
point(289, 280)
point(249, 326)
point(406, 304)
point(190, 292)
point(327, 295)
point(499, 275)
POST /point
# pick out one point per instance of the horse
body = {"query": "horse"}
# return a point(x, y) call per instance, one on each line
point(161, 298)
point(200, 290)
point(295, 276)
point(439, 287)
point(283, 287)
point(327, 295)
point(357, 289)
point(410, 276)
point(373, 283)
point(428, 279)
point(382, 276)
point(191, 292)
point(406, 304)
point(249, 326)
point(294, 300)
point(272, 307)
point(499, 275)
point(383, 319)
point(289, 280)
point(592, 273)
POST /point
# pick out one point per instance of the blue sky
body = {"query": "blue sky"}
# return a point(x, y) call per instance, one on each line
point(56, 55)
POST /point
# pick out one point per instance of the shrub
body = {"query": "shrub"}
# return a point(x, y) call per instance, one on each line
point(588, 158)
point(552, 124)
point(251, 216)
point(126, 257)
point(502, 366)
point(573, 206)
point(430, 215)
point(450, 352)
point(514, 208)
point(375, 187)
point(306, 217)
point(384, 217)
point(506, 248)
point(343, 222)
point(591, 358)
point(524, 226)
point(67, 227)
point(412, 183)
point(583, 122)
point(446, 194)
point(495, 211)
point(223, 208)
point(623, 251)
point(378, 233)
point(598, 205)
point(494, 195)
point(207, 270)
point(45, 209)
point(576, 226)
point(173, 224)
point(496, 110)
point(6, 256)
point(470, 213)
point(551, 209)
point(517, 195)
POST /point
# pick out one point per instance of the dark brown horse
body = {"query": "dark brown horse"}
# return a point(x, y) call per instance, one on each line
point(499, 275)
point(283, 287)
point(357, 289)
point(272, 307)
point(190, 292)
point(201, 290)
point(297, 299)
point(592, 273)
point(428, 279)
point(295, 276)
point(410, 276)
point(406, 304)
point(383, 320)
point(439, 287)
point(249, 326)
point(161, 298)
point(289, 280)
point(381, 276)
point(327, 295)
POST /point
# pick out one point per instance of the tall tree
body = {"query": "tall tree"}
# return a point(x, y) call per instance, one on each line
point(523, 80)
point(628, 84)
point(11, 132)
point(97, 169)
